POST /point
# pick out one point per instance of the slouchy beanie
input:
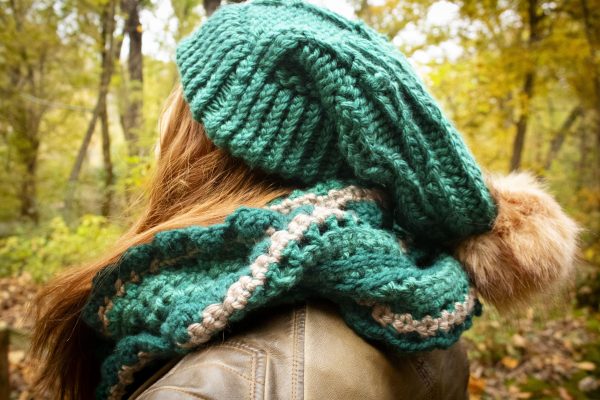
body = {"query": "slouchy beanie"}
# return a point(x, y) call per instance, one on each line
point(301, 92)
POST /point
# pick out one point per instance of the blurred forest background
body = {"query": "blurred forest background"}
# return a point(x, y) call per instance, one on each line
point(81, 88)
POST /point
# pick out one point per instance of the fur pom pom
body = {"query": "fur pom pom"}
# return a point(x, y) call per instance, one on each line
point(530, 249)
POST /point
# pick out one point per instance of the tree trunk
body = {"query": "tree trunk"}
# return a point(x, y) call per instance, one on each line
point(559, 138)
point(107, 57)
point(26, 78)
point(582, 178)
point(28, 126)
point(527, 91)
point(4, 370)
point(109, 176)
point(521, 126)
point(592, 39)
point(27, 193)
point(210, 6)
point(133, 94)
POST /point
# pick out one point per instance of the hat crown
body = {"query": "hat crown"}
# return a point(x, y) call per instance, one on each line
point(304, 93)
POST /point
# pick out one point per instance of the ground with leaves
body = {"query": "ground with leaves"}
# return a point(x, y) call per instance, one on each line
point(549, 356)
point(16, 295)
point(535, 358)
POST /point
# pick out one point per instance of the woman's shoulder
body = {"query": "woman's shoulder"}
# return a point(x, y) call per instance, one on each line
point(306, 352)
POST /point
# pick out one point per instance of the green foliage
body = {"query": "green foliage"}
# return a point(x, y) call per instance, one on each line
point(49, 249)
point(186, 17)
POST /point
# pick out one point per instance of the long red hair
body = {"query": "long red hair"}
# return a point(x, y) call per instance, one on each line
point(194, 183)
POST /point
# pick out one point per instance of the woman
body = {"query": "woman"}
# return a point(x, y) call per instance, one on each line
point(316, 228)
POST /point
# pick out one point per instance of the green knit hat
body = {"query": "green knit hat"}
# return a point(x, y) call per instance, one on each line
point(304, 93)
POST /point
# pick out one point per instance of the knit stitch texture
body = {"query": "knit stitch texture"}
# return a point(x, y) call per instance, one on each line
point(304, 93)
point(333, 241)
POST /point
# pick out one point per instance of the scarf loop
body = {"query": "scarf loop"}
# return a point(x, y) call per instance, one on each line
point(336, 241)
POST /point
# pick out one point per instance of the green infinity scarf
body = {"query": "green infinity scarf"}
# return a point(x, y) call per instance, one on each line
point(333, 241)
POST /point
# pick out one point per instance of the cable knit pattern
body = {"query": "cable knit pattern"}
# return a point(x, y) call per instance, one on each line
point(333, 241)
point(301, 92)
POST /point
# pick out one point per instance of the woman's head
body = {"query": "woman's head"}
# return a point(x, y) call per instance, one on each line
point(194, 183)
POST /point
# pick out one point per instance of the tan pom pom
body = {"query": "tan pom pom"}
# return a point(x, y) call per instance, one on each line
point(530, 250)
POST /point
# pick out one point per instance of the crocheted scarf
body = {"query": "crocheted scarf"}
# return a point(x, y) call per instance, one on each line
point(334, 241)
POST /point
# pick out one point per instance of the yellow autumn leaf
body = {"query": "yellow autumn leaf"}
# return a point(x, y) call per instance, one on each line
point(586, 366)
point(476, 386)
point(509, 362)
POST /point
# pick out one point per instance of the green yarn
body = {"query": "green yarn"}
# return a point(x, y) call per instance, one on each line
point(333, 241)
point(301, 92)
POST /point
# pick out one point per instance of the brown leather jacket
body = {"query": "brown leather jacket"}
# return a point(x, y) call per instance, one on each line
point(307, 352)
